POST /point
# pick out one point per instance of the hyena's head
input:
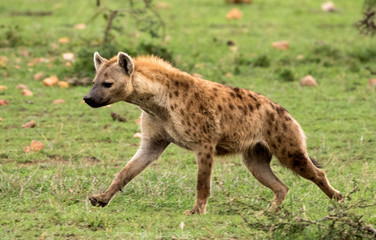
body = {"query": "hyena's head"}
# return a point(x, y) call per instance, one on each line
point(113, 81)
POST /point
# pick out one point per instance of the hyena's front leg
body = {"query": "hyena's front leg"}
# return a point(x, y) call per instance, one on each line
point(204, 168)
point(149, 151)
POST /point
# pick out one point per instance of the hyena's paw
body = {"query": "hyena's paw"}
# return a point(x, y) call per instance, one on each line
point(98, 201)
point(338, 196)
point(195, 210)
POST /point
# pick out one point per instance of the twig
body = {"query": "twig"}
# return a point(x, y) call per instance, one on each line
point(33, 13)
point(108, 27)
point(23, 186)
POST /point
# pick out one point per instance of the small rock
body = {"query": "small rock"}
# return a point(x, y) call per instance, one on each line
point(30, 124)
point(63, 40)
point(328, 7)
point(3, 102)
point(115, 116)
point(27, 92)
point(58, 101)
point(80, 26)
point(234, 14)
point(38, 76)
point(35, 146)
point(372, 82)
point(138, 121)
point(308, 81)
point(137, 135)
point(68, 56)
point(63, 84)
point(282, 45)
point(50, 81)
point(21, 86)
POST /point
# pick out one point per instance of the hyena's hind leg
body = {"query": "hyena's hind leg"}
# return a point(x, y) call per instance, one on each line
point(257, 159)
point(299, 162)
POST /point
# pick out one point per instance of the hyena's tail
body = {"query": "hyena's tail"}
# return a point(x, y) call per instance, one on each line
point(316, 163)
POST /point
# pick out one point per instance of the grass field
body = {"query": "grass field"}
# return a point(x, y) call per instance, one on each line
point(44, 195)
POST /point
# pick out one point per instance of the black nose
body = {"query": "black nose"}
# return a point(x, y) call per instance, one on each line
point(88, 99)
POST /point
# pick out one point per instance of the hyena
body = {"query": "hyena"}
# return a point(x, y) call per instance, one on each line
point(205, 117)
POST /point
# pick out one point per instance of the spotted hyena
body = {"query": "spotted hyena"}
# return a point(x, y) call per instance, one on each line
point(206, 117)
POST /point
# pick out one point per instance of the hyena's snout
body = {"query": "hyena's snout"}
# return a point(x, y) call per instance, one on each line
point(88, 99)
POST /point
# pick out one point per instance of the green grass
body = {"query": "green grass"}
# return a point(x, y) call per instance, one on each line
point(45, 194)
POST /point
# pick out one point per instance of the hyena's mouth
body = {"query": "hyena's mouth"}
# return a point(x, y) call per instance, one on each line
point(95, 104)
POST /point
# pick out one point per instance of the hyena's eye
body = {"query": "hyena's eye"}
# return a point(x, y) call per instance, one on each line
point(107, 84)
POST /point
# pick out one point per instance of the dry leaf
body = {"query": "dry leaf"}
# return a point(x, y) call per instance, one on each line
point(1, 119)
point(282, 45)
point(162, 5)
point(197, 75)
point(137, 135)
point(58, 101)
point(372, 82)
point(308, 81)
point(68, 56)
point(63, 40)
point(300, 57)
point(328, 7)
point(38, 76)
point(80, 26)
point(2, 87)
point(138, 120)
point(181, 225)
point(228, 75)
point(35, 146)
point(50, 81)
point(3, 102)
point(234, 14)
point(3, 61)
point(27, 92)
point(30, 124)
point(68, 64)
point(17, 66)
point(25, 53)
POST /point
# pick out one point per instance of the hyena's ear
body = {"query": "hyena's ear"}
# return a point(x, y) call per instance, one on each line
point(98, 61)
point(126, 62)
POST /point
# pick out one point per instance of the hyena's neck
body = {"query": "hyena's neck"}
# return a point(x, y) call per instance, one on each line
point(154, 85)
point(149, 95)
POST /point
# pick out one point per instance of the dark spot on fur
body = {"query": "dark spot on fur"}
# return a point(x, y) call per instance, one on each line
point(273, 146)
point(181, 112)
point(219, 108)
point(284, 127)
point(279, 140)
point(172, 107)
point(287, 118)
point(176, 83)
point(281, 111)
point(208, 156)
point(251, 96)
point(276, 127)
point(268, 132)
point(240, 107)
point(215, 89)
point(258, 105)
point(250, 107)
point(189, 123)
point(210, 165)
point(231, 106)
point(232, 94)
point(197, 95)
point(170, 95)
point(176, 93)
point(271, 116)
point(183, 122)
point(272, 105)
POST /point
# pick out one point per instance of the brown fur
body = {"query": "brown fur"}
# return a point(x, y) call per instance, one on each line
point(206, 117)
